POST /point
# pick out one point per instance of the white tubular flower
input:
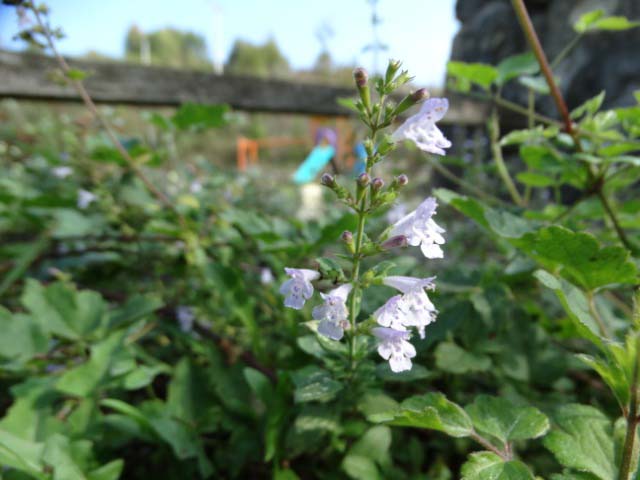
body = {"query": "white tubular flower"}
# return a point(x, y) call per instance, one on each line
point(266, 276)
point(422, 130)
point(298, 288)
point(394, 347)
point(414, 307)
point(392, 313)
point(420, 229)
point(333, 312)
point(61, 172)
point(85, 198)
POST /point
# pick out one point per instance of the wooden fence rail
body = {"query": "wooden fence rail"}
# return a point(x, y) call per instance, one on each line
point(28, 76)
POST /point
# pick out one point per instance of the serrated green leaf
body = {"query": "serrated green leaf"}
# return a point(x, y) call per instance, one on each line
point(480, 74)
point(589, 107)
point(505, 421)
point(431, 411)
point(515, 66)
point(582, 439)
point(489, 466)
point(580, 257)
point(314, 385)
point(575, 304)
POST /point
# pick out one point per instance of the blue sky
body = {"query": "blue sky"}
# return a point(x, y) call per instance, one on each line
point(419, 32)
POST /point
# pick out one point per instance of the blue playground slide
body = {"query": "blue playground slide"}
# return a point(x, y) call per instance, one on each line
point(313, 164)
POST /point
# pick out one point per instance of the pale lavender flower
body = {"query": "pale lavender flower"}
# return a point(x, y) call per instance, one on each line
point(396, 212)
point(333, 312)
point(414, 308)
point(298, 288)
point(185, 317)
point(422, 130)
point(392, 313)
point(420, 229)
point(85, 198)
point(266, 276)
point(61, 172)
point(394, 347)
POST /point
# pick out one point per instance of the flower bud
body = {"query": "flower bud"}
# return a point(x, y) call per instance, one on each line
point(392, 69)
point(377, 184)
point(347, 236)
point(419, 95)
point(410, 100)
point(327, 180)
point(361, 77)
point(363, 179)
point(402, 180)
point(399, 241)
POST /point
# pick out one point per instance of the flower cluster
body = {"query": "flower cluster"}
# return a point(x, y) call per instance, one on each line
point(410, 310)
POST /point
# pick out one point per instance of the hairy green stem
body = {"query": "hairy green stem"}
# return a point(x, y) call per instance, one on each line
point(593, 309)
point(566, 50)
point(489, 446)
point(616, 223)
point(632, 421)
point(494, 137)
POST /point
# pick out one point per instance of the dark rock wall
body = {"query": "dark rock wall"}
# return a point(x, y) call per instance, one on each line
point(602, 61)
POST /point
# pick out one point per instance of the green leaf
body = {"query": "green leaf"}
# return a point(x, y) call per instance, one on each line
point(314, 385)
point(452, 358)
point(24, 259)
point(21, 454)
point(582, 439)
point(200, 117)
point(538, 84)
point(575, 304)
point(330, 269)
point(596, 22)
point(515, 66)
point(82, 380)
point(535, 179)
point(616, 368)
point(360, 468)
point(586, 20)
point(61, 310)
point(589, 107)
point(136, 307)
point(109, 471)
point(21, 337)
point(505, 421)
point(489, 466)
point(76, 74)
point(580, 257)
point(466, 74)
point(374, 444)
point(431, 411)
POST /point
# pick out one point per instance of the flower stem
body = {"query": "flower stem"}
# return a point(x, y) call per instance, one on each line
point(494, 134)
point(91, 106)
point(534, 43)
point(632, 420)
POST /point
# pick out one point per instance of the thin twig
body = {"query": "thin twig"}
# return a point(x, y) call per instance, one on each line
point(534, 43)
point(489, 446)
point(91, 106)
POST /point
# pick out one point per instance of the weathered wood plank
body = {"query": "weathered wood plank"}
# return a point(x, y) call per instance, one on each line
point(28, 76)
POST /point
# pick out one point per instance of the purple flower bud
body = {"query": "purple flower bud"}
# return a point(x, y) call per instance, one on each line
point(402, 180)
point(361, 77)
point(399, 241)
point(364, 179)
point(377, 184)
point(419, 95)
point(327, 180)
point(347, 236)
